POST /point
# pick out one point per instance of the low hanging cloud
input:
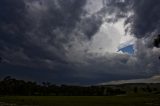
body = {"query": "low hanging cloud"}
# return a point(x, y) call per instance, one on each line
point(79, 39)
point(154, 79)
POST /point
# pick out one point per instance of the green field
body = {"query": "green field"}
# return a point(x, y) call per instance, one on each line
point(153, 100)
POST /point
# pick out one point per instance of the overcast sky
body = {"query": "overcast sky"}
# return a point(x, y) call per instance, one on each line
point(79, 41)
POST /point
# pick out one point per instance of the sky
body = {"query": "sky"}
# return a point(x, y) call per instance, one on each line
point(79, 41)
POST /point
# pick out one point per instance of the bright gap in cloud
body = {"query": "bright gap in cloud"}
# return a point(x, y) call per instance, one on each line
point(129, 49)
point(112, 38)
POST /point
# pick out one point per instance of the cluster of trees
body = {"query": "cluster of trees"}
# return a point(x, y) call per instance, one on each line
point(153, 88)
point(11, 86)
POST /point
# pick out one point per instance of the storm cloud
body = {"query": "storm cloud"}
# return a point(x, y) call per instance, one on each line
point(142, 16)
point(76, 41)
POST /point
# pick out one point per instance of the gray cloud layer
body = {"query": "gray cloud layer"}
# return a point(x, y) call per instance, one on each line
point(55, 34)
point(144, 18)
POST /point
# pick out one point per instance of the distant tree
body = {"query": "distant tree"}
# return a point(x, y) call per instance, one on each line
point(149, 88)
point(135, 89)
point(7, 78)
point(143, 89)
point(157, 41)
point(155, 89)
point(110, 91)
point(0, 59)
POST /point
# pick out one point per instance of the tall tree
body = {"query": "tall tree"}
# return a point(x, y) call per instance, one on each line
point(156, 42)
point(0, 59)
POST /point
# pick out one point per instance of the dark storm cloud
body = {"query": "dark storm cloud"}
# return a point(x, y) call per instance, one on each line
point(145, 18)
point(118, 8)
point(37, 31)
point(12, 25)
point(11, 21)
point(34, 30)
point(56, 34)
point(63, 14)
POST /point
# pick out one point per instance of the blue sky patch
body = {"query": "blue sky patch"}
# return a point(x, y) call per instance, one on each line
point(128, 49)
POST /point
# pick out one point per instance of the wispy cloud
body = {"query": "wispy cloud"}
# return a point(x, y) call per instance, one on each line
point(154, 79)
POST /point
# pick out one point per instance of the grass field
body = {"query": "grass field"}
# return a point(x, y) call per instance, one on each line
point(144, 100)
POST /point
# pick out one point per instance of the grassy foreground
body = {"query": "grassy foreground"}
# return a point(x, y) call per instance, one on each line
point(83, 100)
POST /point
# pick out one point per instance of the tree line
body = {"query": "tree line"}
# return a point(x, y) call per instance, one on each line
point(11, 86)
